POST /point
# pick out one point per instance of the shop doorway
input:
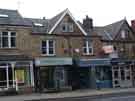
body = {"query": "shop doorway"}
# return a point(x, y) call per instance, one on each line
point(104, 76)
point(46, 78)
point(84, 77)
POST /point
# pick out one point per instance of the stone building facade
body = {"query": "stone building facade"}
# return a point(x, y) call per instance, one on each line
point(62, 53)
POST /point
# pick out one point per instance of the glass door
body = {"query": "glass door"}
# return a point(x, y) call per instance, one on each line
point(3, 80)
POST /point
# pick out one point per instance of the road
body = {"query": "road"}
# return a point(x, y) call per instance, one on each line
point(114, 98)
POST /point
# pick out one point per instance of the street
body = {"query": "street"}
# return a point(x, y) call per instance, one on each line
point(114, 98)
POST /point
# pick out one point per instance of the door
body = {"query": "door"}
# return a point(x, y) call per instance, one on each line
point(46, 78)
point(60, 77)
point(84, 77)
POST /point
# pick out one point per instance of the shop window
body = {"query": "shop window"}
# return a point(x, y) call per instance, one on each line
point(122, 75)
point(116, 82)
point(127, 68)
point(87, 48)
point(7, 39)
point(48, 47)
point(20, 76)
point(115, 67)
point(116, 75)
point(128, 75)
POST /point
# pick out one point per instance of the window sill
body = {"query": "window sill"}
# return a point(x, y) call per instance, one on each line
point(67, 31)
point(13, 48)
point(48, 55)
point(88, 54)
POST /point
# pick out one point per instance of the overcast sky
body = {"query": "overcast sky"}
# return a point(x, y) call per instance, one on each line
point(103, 12)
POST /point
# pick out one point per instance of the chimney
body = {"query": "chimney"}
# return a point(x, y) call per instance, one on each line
point(44, 18)
point(133, 25)
point(88, 24)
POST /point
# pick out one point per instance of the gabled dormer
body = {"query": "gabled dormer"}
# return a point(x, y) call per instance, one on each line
point(117, 31)
point(65, 24)
point(125, 32)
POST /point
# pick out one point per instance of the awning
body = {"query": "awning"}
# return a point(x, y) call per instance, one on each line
point(94, 62)
point(52, 61)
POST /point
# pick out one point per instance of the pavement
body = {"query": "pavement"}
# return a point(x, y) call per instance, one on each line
point(77, 93)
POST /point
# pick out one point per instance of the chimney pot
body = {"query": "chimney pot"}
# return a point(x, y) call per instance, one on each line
point(44, 18)
point(88, 24)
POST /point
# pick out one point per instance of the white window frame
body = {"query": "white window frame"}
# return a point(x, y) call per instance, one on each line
point(123, 34)
point(88, 47)
point(9, 39)
point(69, 27)
point(47, 48)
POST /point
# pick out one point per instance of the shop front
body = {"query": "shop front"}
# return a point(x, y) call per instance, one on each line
point(52, 73)
point(123, 73)
point(16, 73)
point(99, 71)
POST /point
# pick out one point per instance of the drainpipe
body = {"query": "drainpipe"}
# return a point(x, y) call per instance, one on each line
point(7, 76)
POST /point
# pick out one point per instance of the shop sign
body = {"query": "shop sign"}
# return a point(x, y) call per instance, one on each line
point(108, 49)
point(53, 61)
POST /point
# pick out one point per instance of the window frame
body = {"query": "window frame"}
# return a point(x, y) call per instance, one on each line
point(123, 34)
point(88, 46)
point(69, 27)
point(9, 39)
point(48, 47)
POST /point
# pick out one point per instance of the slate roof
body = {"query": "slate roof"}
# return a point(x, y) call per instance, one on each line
point(53, 20)
point(109, 32)
point(14, 18)
point(101, 31)
point(38, 29)
point(47, 23)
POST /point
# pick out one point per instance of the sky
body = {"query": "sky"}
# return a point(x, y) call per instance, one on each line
point(102, 12)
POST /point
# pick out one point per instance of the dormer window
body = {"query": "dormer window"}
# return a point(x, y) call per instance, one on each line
point(38, 24)
point(123, 34)
point(67, 27)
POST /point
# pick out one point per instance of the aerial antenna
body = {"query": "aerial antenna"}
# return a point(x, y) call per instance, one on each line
point(18, 5)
